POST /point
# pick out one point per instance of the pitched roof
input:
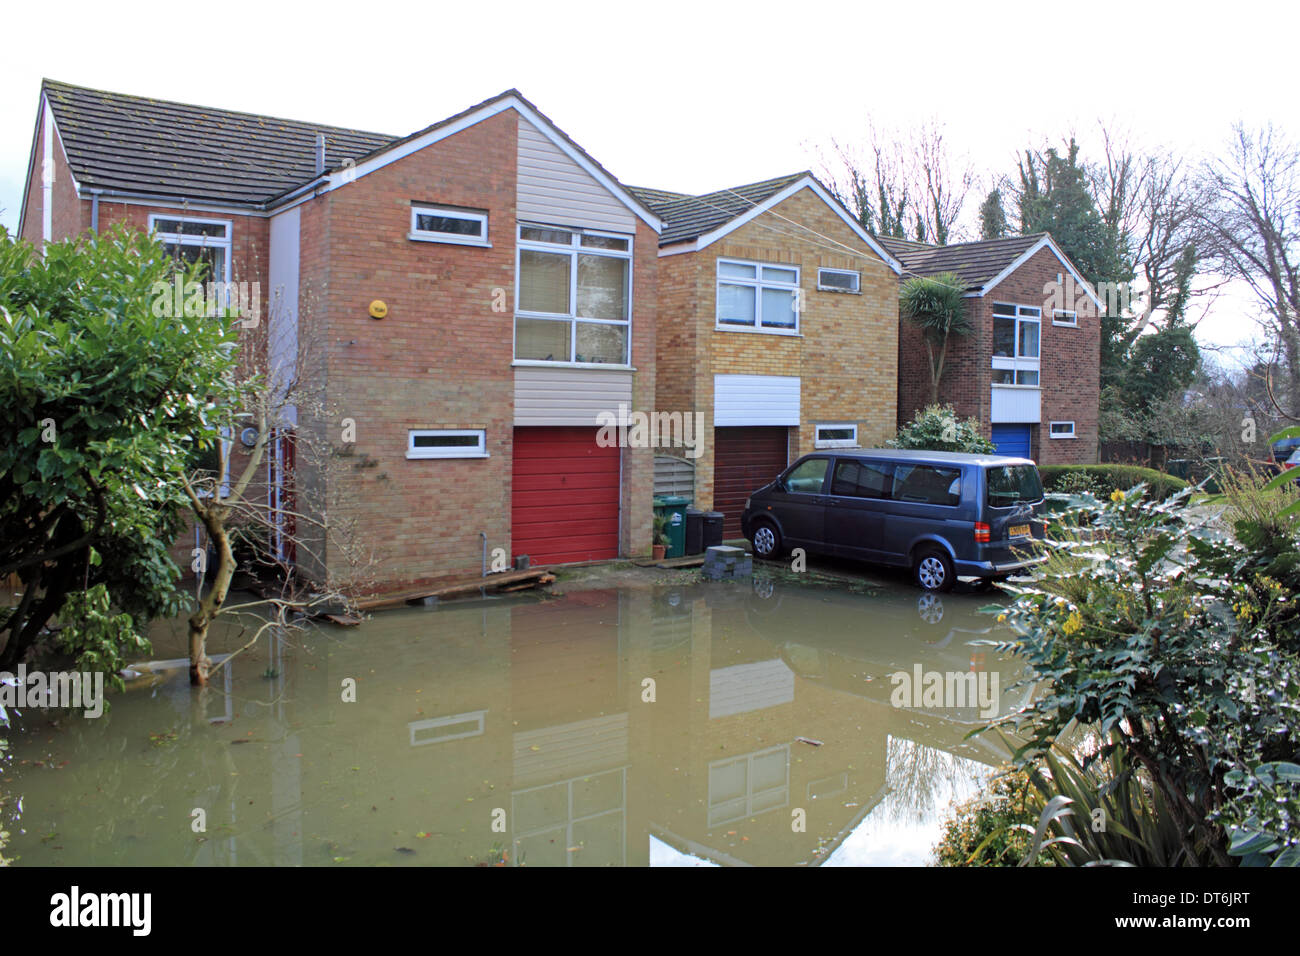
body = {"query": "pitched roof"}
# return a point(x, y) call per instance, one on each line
point(157, 147)
point(976, 262)
point(655, 197)
point(689, 217)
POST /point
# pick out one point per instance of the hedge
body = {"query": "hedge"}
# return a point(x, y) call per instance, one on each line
point(1110, 477)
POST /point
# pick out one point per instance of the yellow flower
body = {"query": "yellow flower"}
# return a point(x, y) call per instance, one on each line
point(1002, 618)
point(1073, 623)
point(1117, 495)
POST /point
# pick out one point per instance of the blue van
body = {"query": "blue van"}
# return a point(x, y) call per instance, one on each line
point(943, 515)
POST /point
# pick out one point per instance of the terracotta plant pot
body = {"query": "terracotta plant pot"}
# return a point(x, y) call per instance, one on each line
point(659, 550)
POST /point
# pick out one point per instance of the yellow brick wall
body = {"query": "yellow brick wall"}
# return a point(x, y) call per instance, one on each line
point(846, 355)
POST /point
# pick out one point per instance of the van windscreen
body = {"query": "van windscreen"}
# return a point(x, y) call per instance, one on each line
point(1011, 484)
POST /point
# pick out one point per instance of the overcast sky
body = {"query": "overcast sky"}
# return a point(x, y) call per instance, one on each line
point(689, 96)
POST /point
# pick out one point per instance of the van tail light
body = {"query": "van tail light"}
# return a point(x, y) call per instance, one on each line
point(981, 532)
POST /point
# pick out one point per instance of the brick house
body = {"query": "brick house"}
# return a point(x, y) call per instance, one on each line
point(477, 293)
point(778, 322)
point(1030, 372)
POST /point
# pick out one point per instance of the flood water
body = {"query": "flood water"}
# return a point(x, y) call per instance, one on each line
point(523, 731)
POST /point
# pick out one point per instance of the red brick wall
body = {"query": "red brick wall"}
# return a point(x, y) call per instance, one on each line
point(1070, 366)
point(68, 218)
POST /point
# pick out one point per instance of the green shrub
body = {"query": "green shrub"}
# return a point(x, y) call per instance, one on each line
point(937, 428)
point(1108, 478)
point(1176, 643)
point(987, 829)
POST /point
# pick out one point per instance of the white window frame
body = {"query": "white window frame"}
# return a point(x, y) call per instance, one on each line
point(758, 284)
point(412, 452)
point(857, 281)
point(1072, 322)
point(203, 242)
point(1018, 363)
point(427, 235)
point(1051, 430)
point(574, 248)
point(819, 442)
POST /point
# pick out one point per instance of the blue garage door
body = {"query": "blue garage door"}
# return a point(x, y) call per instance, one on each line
point(1012, 440)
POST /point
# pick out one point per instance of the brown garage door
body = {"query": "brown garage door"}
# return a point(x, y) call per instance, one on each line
point(744, 459)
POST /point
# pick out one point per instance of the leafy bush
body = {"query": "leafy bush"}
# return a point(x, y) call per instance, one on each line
point(1108, 478)
point(937, 428)
point(1171, 638)
point(986, 829)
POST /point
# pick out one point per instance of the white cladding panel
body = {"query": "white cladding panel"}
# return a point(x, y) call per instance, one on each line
point(755, 400)
point(555, 189)
point(1016, 404)
point(280, 309)
point(568, 396)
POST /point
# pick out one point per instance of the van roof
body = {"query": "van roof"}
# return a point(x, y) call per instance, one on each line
point(928, 457)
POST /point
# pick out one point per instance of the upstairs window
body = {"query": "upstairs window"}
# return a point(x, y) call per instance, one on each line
point(464, 227)
point(838, 280)
point(189, 240)
point(1016, 344)
point(765, 298)
point(573, 296)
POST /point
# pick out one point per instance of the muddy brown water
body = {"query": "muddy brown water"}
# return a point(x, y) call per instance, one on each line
point(727, 723)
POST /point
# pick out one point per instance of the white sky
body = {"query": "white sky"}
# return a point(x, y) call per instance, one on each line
point(689, 96)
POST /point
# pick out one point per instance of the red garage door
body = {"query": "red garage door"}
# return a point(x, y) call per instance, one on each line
point(744, 459)
point(564, 496)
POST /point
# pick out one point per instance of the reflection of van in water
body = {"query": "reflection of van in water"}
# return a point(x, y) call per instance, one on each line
point(942, 514)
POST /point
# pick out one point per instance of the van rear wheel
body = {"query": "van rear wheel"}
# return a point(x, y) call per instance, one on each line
point(932, 570)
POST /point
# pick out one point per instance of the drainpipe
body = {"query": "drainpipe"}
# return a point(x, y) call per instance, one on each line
point(94, 209)
point(483, 535)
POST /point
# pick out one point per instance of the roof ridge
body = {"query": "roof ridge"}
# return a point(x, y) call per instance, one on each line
point(47, 83)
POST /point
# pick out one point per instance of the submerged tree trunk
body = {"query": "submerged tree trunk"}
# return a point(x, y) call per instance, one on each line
point(214, 520)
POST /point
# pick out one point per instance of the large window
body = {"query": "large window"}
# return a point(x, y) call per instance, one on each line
point(760, 297)
point(1016, 344)
point(573, 297)
point(190, 240)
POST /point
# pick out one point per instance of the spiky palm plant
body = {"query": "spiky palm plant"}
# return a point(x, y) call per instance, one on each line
point(936, 304)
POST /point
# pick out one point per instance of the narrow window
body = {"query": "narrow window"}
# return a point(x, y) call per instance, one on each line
point(446, 443)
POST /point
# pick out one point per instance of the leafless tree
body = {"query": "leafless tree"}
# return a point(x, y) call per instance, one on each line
point(1252, 224)
point(262, 519)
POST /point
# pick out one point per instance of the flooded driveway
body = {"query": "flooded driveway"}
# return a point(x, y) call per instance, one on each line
point(745, 722)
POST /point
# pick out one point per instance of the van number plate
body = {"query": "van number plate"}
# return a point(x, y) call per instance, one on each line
point(1019, 531)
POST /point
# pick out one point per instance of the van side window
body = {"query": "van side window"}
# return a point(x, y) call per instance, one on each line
point(927, 484)
point(861, 479)
point(808, 478)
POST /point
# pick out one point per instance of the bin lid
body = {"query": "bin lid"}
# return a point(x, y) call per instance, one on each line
point(671, 501)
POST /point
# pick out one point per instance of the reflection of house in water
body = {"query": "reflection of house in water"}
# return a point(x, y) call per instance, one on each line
point(593, 727)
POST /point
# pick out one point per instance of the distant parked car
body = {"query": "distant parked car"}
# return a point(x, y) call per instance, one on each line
point(1293, 462)
point(942, 514)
